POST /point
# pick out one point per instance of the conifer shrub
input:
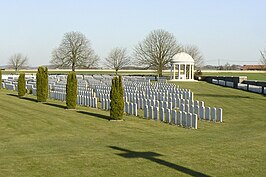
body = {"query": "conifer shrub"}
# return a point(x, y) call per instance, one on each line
point(21, 85)
point(71, 91)
point(117, 99)
point(42, 84)
point(0, 79)
point(121, 96)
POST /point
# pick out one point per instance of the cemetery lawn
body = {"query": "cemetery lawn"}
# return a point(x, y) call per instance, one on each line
point(38, 139)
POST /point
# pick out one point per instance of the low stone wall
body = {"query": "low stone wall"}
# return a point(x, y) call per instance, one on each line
point(254, 82)
point(235, 80)
point(246, 85)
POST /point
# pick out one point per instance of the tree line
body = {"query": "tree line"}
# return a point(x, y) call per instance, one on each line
point(155, 51)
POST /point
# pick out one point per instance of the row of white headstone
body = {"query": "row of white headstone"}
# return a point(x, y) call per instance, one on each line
point(194, 107)
point(153, 95)
point(83, 100)
point(167, 98)
point(180, 118)
point(204, 113)
point(184, 105)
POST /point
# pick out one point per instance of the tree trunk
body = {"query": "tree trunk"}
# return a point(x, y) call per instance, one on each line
point(73, 66)
point(160, 70)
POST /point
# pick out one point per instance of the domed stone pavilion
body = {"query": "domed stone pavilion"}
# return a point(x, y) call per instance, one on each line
point(182, 67)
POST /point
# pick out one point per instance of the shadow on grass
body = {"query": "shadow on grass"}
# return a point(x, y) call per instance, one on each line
point(95, 115)
point(9, 94)
point(152, 157)
point(24, 98)
point(56, 105)
point(223, 96)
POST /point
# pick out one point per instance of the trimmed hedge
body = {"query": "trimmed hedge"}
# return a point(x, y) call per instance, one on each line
point(42, 84)
point(71, 91)
point(117, 99)
point(21, 85)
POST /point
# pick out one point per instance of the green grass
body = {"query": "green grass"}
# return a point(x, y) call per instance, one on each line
point(251, 76)
point(39, 139)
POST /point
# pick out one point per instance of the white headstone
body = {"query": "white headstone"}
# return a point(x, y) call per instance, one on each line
point(191, 109)
point(179, 118)
point(168, 115)
point(195, 121)
point(126, 107)
point(213, 117)
point(162, 118)
point(146, 111)
point(189, 120)
point(201, 103)
point(220, 115)
point(131, 108)
point(135, 109)
point(196, 103)
point(184, 119)
point(187, 108)
point(208, 113)
point(103, 105)
point(196, 110)
point(202, 112)
point(151, 116)
point(174, 117)
point(156, 113)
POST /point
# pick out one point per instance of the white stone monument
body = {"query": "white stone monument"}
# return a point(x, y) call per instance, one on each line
point(182, 67)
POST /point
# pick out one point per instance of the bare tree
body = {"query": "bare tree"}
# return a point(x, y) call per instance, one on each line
point(157, 50)
point(263, 57)
point(74, 51)
point(18, 61)
point(195, 53)
point(117, 59)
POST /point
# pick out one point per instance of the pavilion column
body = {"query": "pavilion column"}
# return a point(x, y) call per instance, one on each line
point(193, 71)
point(174, 70)
point(189, 74)
point(185, 71)
point(178, 71)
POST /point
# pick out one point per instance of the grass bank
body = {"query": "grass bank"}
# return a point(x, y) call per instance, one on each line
point(38, 139)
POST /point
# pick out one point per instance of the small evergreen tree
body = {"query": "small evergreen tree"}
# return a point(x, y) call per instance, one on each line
point(71, 91)
point(42, 84)
point(21, 85)
point(117, 99)
point(0, 79)
point(114, 100)
point(121, 96)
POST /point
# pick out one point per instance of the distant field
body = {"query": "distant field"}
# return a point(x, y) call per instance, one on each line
point(38, 139)
point(251, 76)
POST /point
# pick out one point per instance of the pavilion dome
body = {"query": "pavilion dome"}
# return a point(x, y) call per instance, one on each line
point(182, 58)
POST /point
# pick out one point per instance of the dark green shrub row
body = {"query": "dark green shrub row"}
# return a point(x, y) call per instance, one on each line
point(117, 99)
point(21, 85)
point(42, 84)
point(71, 91)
